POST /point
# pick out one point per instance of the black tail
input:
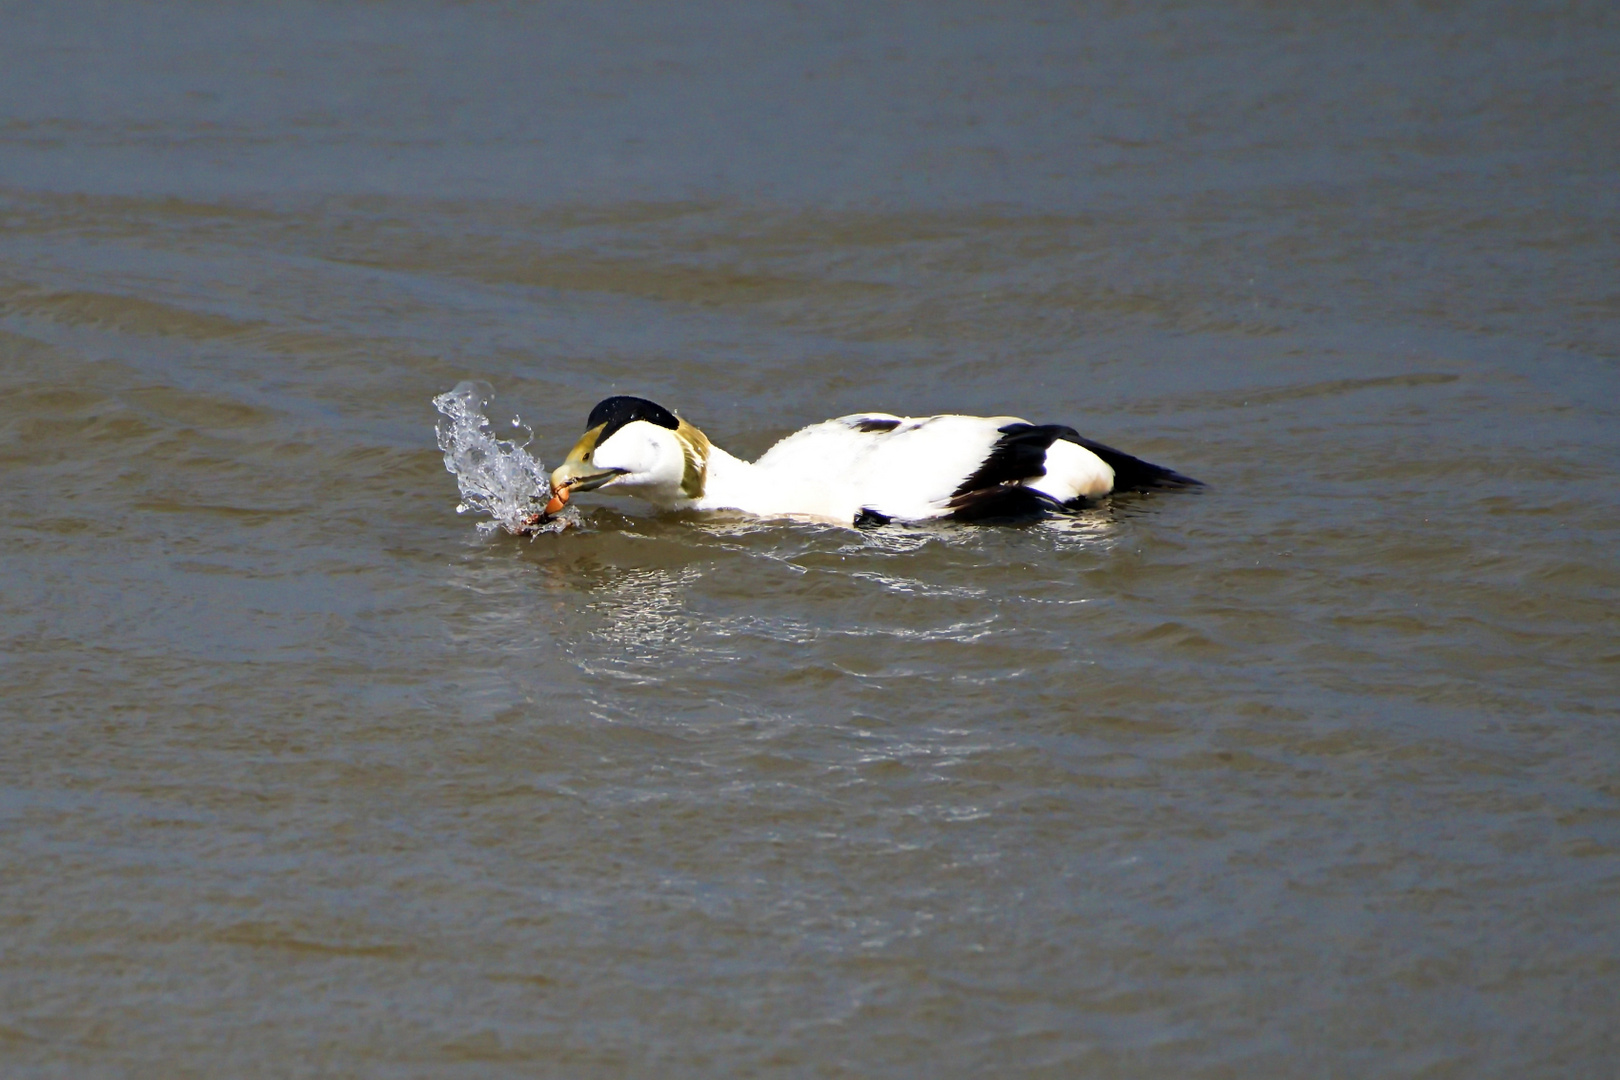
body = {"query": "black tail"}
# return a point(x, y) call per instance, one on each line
point(1132, 473)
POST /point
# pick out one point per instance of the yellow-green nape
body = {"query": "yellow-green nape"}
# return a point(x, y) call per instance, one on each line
point(696, 446)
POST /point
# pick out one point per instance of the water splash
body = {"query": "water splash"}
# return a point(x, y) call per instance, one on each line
point(496, 476)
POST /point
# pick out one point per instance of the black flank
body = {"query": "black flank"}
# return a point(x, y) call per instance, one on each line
point(868, 517)
point(618, 411)
point(1006, 503)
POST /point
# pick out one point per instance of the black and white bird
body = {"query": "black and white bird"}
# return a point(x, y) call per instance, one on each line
point(867, 468)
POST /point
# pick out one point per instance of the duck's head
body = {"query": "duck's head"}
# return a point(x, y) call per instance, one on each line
point(633, 446)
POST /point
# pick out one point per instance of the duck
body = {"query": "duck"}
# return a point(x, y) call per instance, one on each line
point(864, 469)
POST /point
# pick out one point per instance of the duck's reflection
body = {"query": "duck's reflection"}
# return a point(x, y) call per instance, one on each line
point(640, 615)
point(628, 601)
point(528, 623)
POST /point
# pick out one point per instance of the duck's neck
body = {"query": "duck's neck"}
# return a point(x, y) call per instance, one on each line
point(731, 483)
point(734, 484)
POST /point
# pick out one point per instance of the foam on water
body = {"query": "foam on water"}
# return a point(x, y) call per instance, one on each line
point(496, 476)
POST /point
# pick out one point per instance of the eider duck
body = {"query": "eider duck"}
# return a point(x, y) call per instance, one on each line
point(867, 468)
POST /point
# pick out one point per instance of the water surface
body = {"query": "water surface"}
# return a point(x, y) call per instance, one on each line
point(1310, 771)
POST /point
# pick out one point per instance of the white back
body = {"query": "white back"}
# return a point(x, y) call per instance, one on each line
point(908, 472)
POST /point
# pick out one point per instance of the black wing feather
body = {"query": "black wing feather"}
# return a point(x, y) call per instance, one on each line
point(995, 489)
point(1020, 454)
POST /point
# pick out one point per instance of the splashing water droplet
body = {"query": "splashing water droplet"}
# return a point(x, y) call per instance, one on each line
point(496, 476)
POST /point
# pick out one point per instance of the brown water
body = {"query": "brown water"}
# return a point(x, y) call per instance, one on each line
point(1312, 772)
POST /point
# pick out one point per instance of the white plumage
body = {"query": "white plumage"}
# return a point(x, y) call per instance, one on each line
point(867, 467)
